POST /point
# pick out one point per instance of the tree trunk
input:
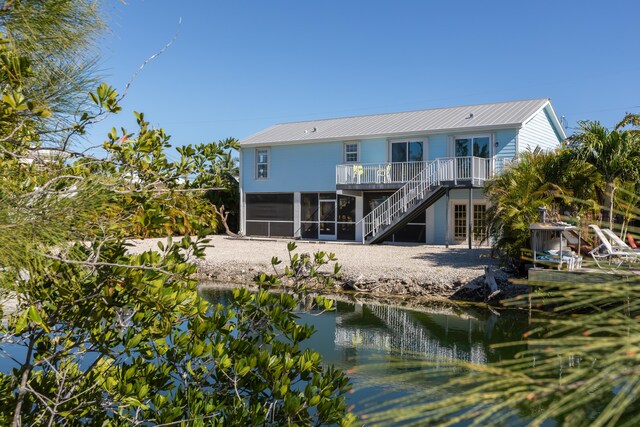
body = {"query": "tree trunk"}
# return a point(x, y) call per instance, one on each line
point(611, 188)
point(223, 217)
point(17, 414)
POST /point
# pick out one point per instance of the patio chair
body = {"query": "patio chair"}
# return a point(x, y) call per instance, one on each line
point(383, 174)
point(358, 170)
point(611, 252)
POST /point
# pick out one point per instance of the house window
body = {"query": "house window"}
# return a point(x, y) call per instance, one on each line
point(351, 152)
point(407, 151)
point(262, 163)
point(477, 146)
point(327, 215)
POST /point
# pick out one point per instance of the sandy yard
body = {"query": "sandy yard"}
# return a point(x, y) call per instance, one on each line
point(390, 269)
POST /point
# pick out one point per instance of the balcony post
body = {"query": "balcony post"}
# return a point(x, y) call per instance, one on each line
point(473, 169)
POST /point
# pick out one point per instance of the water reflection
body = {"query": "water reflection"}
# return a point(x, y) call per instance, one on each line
point(372, 340)
point(390, 329)
point(434, 332)
point(357, 329)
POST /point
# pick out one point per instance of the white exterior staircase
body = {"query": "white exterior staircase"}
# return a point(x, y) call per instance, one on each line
point(421, 191)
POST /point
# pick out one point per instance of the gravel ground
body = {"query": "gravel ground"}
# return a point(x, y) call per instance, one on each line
point(418, 270)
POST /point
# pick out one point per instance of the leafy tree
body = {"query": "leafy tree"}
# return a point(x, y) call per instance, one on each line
point(225, 194)
point(613, 154)
point(100, 336)
point(111, 338)
point(57, 38)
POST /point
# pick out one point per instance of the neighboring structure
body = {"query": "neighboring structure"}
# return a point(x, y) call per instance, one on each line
point(405, 177)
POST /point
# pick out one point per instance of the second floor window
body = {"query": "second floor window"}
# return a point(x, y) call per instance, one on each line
point(351, 152)
point(477, 146)
point(406, 151)
point(262, 163)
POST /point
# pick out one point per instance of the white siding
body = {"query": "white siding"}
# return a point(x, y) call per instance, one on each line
point(538, 132)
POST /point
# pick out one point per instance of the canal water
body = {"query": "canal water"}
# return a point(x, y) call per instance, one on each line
point(382, 346)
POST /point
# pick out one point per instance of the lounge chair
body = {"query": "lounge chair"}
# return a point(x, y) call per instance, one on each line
point(611, 252)
point(617, 242)
point(577, 242)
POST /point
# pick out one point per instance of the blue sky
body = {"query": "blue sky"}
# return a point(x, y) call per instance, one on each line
point(237, 67)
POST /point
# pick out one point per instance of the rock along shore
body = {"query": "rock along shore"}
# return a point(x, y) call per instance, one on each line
point(383, 270)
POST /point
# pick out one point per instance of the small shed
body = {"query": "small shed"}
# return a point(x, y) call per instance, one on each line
point(550, 247)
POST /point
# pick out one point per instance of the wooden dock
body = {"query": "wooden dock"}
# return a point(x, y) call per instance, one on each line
point(580, 275)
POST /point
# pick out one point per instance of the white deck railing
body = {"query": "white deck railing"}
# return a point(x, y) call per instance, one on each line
point(377, 173)
point(449, 169)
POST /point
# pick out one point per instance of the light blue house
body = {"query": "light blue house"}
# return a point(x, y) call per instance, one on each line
point(403, 177)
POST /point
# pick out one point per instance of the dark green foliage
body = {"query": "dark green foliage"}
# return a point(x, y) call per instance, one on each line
point(578, 179)
point(128, 340)
point(100, 336)
point(58, 39)
point(614, 154)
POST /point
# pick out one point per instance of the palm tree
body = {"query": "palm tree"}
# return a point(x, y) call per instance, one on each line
point(538, 179)
point(614, 154)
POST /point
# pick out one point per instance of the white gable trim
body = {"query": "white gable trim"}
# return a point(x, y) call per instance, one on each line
point(554, 120)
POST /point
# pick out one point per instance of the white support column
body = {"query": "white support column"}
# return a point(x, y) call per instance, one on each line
point(243, 213)
point(470, 218)
point(242, 226)
point(359, 209)
point(430, 224)
point(296, 214)
point(446, 215)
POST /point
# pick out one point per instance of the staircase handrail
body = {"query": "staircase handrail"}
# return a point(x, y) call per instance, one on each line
point(416, 188)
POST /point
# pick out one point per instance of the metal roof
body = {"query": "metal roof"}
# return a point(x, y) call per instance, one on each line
point(464, 118)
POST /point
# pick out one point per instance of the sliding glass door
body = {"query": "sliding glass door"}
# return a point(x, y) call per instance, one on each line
point(465, 148)
point(407, 155)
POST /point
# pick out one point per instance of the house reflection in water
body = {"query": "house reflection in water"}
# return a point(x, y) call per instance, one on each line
point(433, 334)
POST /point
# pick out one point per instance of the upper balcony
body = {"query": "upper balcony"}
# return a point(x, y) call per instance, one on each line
point(452, 171)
